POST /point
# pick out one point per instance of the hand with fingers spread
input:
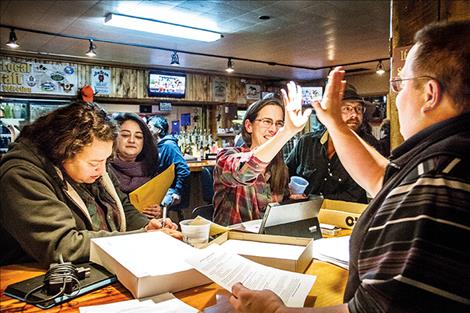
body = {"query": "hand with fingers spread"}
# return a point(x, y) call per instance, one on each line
point(329, 110)
point(295, 119)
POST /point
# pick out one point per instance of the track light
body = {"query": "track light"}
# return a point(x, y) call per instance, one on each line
point(229, 68)
point(161, 27)
point(91, 50)
point(13, 41)
point(380, 68)
point(175, 59)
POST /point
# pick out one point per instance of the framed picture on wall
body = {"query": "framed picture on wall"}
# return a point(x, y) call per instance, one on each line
point(253, 92)
point(310, 94)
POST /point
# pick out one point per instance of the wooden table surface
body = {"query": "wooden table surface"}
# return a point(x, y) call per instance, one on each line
point(327, 290)
point(197, 166)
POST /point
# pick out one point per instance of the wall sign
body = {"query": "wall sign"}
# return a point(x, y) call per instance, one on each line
point(37, 77)
point(310, 94)
point(101, 81)
point(253, 92)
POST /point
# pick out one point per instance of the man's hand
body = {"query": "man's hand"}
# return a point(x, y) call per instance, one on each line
point(245, 300)
point(153, 211)
point(329, 110)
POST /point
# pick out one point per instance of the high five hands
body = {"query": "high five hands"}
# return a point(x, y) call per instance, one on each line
point(295, 119)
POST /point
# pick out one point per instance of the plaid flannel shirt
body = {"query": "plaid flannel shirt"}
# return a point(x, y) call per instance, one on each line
point(241, 188)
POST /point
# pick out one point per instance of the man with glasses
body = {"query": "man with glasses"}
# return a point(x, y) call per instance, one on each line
point(314, 157)
point(409, 250)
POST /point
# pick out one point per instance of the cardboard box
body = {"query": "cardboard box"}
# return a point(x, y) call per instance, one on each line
point(148, 263)
point(275, 259)
point(340, 213)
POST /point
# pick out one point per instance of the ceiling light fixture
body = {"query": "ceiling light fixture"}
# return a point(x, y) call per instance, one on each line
point(229, 68)
point(91, 50)
point(202, 54)
point(380, 68)
point(161, 27)
point(13, 41)
point(175, 59)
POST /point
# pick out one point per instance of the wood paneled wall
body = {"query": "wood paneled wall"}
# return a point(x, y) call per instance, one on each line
point(131, 83)
point(409, 16)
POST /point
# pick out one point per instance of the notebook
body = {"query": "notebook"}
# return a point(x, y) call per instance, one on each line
point(294, 218)
point(99, 277)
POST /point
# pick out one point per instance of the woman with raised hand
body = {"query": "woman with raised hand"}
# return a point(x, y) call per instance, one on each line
point(247, 178)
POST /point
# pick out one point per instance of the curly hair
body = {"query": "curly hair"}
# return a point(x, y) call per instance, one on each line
point(149, 153)
point(63, 133)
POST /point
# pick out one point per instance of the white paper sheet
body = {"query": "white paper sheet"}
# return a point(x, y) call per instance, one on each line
point(263, 249)
point(333, 250)
point(227, 268)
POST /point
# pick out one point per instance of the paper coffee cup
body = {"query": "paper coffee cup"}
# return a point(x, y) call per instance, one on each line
point(297, 185)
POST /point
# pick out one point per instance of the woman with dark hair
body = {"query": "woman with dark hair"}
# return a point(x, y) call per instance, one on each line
point(56, 193)
point(135, 159)
point(247, 178)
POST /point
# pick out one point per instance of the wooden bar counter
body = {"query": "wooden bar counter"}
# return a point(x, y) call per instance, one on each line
point(327, 290)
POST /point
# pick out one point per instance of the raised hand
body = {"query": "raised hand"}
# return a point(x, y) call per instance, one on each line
point(329, 110)
point(295, 119)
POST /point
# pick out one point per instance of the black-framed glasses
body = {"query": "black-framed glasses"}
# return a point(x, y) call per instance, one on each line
point(396, 83)
point(349, 109)
point(267, 122)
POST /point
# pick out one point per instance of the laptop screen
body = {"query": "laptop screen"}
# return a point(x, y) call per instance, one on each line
point(297, 219)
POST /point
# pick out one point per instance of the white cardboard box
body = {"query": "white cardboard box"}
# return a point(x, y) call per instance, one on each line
point(148, 263)
point(289, 263)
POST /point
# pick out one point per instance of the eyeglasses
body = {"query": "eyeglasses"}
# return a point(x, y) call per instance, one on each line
point(349, 109)
point(267, 122)
point(396, 83)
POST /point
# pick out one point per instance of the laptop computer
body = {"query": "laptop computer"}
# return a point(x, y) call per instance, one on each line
point(293, 218)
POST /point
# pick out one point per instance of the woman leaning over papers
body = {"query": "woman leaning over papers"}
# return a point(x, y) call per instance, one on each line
point(135, 159)
point(247, 178)
point(56, 194)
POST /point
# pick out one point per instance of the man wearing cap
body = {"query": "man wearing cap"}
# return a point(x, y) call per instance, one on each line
point(314, 157)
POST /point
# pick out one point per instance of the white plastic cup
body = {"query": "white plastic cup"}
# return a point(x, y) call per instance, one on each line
point(195, 235)
point(297, 185)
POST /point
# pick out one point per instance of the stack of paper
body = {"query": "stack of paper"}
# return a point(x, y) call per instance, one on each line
point(164, 303)
point(227, 268)
point(333, 250)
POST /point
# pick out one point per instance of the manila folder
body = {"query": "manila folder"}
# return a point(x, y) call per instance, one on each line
point(153, 191)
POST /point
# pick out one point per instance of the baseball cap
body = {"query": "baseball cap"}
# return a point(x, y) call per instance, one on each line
point(87, 93)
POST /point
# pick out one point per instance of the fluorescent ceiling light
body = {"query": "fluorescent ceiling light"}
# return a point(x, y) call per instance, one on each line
point(161, 27)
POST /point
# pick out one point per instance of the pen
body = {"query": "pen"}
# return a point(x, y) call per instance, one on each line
point(164, 215)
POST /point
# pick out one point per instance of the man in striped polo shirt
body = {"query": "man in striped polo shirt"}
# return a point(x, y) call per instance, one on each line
point(409, 251)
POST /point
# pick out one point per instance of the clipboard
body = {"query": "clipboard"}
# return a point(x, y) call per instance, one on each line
point(153, 191)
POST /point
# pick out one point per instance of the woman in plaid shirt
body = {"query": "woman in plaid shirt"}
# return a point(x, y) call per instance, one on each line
point(247, 178)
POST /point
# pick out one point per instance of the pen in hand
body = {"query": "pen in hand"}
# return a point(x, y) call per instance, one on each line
point(164, 215)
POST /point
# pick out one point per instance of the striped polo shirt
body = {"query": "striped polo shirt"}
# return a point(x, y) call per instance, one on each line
point(410, 250)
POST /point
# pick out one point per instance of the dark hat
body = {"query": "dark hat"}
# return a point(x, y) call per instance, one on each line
point(160, 122)
point(350, 93)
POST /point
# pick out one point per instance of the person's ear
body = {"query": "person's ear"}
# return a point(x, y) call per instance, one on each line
point(432, 95)
point(248, 126)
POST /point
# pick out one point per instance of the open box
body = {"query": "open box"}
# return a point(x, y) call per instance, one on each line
point(268, 249)
point(340, 213)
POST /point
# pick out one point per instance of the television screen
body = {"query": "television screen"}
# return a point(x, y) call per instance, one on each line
point(172, 85)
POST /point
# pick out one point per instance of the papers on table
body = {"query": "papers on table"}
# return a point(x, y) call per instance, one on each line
point(263, 249)
point(164, 303)
point(334, 250)
point(227, 268)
